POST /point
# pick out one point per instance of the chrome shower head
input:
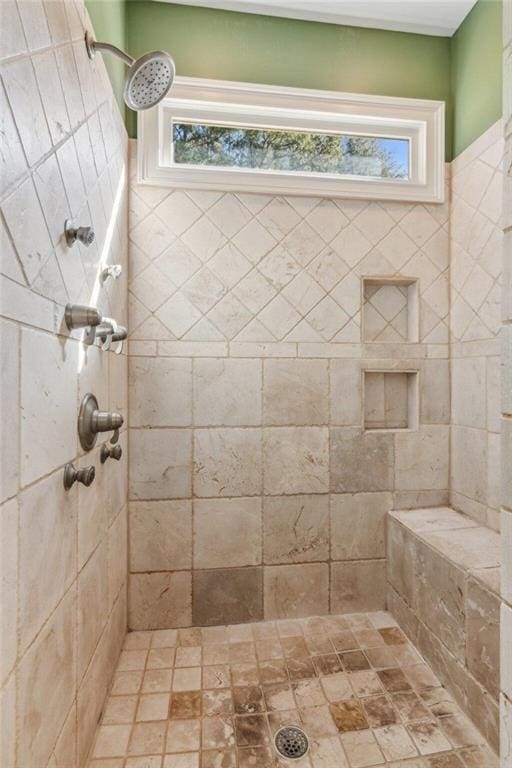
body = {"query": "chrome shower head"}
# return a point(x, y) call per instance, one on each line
point(148, 79)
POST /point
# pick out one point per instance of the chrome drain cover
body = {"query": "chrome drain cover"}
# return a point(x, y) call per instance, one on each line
point(291, 742)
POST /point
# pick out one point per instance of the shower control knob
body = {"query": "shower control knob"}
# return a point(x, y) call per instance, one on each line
point(110, 453)
point(91, 421)
point(85, 235)
point(72, 475)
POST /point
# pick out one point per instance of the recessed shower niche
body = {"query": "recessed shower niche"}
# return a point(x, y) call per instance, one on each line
point(390, 400)
point(390, 309)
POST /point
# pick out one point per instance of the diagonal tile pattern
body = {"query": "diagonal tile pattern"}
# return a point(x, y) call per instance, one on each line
point(213, 697)
point(270, 269)
point(476, 245)
point(476, 239)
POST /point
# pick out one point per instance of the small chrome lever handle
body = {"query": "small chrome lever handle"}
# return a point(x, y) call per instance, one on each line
point(110, 453)
point(72, 233)
point(72, 475)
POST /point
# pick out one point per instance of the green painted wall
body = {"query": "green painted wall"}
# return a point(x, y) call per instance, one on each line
point(464, 71)
point(109, 21)
point(266, 49)
point(476, 51)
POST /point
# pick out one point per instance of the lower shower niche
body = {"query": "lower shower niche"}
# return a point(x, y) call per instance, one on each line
point(390, 400)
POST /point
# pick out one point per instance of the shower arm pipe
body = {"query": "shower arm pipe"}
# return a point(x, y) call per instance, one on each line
point(115, 50)
point(93, 46)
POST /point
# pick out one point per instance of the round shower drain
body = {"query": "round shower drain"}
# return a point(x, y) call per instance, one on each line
point(291, 742)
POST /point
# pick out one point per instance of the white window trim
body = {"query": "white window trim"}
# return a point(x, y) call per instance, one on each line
point(420, 120)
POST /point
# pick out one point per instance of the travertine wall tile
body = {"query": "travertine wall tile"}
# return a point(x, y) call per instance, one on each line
point(421, 458)
point(361, 461)
point(469, 395)
point(296, 529)
point(483, 635)
point(227, 462)
point(64, 154)
point(160, 600)
point(292, 591)
point(441, 602)
point(295, 460)
point(47, 366)
point(469, 464)
point(117, 542)
point(151, 381)
point(92, 606)
point(46, 684)
point(358, 525)
point(9, 588)
point(476, 242)
point(160, 463)
point(435, 392)
point(227, 393)
point(356, 584)
point(220, 527)
point(47, 562)
point(295, 392)
point(345, 392)
point(9, 409)
point(160, 535)
point(227, 596)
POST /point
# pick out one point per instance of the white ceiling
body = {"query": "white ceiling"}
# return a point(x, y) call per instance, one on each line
point(428, 17)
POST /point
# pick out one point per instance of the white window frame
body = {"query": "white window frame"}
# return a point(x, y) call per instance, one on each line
point(196, 99)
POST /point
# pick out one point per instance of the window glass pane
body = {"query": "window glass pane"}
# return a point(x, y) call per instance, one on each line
point(291, 151)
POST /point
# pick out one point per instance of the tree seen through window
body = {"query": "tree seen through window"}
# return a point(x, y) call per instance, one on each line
point(292, 151)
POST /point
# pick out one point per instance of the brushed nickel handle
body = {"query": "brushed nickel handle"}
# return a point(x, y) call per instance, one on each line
point(73, 475)
point(73, 233)
point(110, 453)
point(81, 316)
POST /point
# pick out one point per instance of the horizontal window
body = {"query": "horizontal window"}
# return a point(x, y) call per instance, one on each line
point(230, 146)
point(253, 138)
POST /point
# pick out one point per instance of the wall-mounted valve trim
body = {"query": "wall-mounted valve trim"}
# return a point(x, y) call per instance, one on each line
point(73, 233)
point(72, 475)
point(81, 316)
point(91, 421)
point(110, 453)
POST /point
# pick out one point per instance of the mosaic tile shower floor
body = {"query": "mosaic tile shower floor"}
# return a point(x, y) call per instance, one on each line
point(213, 697)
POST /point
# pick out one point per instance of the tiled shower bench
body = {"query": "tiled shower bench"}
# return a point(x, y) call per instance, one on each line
point(443, 588)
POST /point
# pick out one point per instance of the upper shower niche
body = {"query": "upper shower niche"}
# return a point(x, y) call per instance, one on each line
point(390, 310)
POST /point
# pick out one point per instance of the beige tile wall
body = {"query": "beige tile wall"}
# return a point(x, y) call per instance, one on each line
point(63, 554)
point(254, 491)
point(506, 405)
point(475, 319)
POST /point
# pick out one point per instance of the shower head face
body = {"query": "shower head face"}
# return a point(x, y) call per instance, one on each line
point(148, 80)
